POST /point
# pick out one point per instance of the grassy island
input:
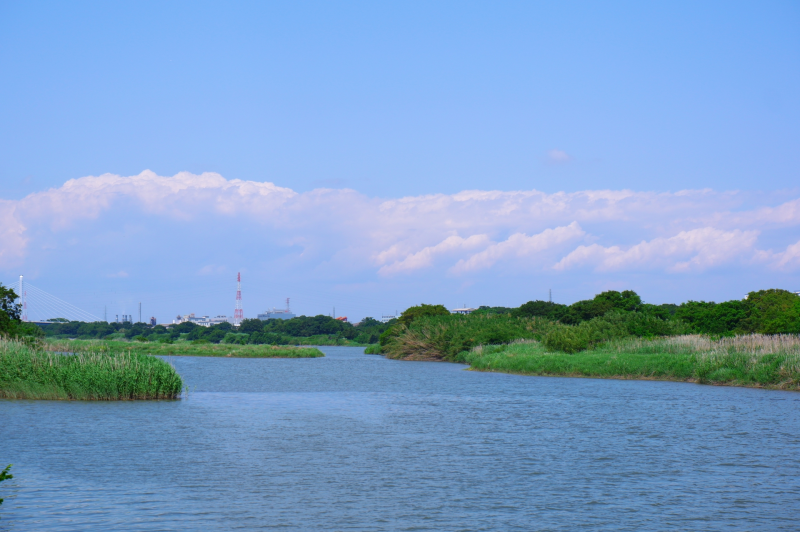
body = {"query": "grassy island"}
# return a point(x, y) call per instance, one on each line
point(750, 342)
point(186, 348)
point(31, 371)
point(769, 361)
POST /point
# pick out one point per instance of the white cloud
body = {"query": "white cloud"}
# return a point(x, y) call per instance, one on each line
point(519, 245)
point(558, 156)
point(13, 239)
point(696, 249)
point(425, 257)
point(788, 260)
point(463, 232)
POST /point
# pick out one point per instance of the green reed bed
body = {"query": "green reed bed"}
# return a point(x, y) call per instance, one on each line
point(771, 361)
point(33, 372)
point(187, 348)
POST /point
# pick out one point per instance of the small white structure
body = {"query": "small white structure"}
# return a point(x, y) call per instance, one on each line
point(387, 318)
point(463, 310)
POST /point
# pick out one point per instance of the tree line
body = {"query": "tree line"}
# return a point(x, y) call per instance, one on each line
point(772, 311)
point(250, 331)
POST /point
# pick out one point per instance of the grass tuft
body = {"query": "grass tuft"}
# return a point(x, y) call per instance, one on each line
point(186, 348)
point(771, 361)
point(32, 372)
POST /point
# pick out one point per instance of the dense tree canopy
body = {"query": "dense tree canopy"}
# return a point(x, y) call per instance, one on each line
point(768, 311)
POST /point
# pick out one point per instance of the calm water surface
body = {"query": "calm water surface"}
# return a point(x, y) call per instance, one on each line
point(354, 441)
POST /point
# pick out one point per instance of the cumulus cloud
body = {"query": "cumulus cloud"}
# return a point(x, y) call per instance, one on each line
point(696, 249)
point(467, 232)
point(787, 260)
point(13, 240)
point(425, 257)
point(519, 245)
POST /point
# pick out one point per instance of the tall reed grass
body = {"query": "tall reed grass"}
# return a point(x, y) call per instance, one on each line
point(184, 348)
point(771, 361)
point(32, 372)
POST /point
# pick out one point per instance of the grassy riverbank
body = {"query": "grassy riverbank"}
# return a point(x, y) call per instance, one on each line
point(33, 372)
point(770, 361)
point(186, 348)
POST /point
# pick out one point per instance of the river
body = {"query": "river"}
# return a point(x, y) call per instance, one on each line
point(354, 441)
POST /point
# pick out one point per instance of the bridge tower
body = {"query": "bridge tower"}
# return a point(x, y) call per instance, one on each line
point(238, 314)
point(23, 300)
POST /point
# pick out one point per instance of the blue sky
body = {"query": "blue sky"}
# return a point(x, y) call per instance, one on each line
point(371, 119)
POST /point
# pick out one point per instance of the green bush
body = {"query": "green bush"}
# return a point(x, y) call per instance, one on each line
point(445, 337)
point(568, 339)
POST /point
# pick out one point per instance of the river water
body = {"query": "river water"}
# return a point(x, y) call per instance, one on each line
point(354, 442)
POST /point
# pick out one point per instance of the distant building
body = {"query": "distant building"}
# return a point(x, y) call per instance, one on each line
point(387, 318)
point(204, 320)
point(153, 321)
point(463, 310)
point(280, 314)
point(342, 318)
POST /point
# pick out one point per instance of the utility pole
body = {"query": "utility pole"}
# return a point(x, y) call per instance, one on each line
point(550, 297)
point(140, 311)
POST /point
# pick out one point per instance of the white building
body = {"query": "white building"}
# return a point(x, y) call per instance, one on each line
point(463, 310)
point(204, 320)
point(280, 314)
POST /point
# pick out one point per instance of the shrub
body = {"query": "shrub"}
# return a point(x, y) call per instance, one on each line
point(567, 339)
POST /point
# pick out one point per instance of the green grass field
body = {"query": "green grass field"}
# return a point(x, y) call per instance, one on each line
point(186, 348)
point(771, 361)
point(33, 372)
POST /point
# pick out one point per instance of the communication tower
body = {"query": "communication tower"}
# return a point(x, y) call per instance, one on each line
point(238, 315)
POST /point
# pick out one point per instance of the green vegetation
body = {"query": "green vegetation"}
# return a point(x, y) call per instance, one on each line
point(317, 330)
point(586, 325)
point(4, 475)
point(198, 348)
point(30, 371)
point(771, 361)
point(444, 337)
point(10, 323)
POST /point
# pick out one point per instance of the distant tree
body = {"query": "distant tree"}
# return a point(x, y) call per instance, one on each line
point(772, 311)
point(251, 325)
point(622, 301)
point(185, 327)
point(369, 322)
point(550, 310)
point(9, 311)
point(417, 311)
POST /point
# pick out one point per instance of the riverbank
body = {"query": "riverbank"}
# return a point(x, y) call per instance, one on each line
point(185, 348)
point(768, 361)
point(35, 373)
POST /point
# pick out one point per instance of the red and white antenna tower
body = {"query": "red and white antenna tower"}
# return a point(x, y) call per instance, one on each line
point(238, 314)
